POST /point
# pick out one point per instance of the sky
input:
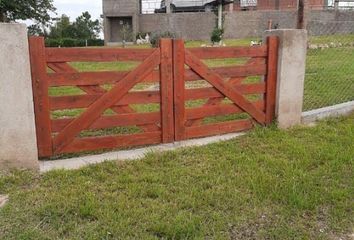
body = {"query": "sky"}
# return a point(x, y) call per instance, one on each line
point(74, 8)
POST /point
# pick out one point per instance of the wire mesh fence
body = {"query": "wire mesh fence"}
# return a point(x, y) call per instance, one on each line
point(330, 64)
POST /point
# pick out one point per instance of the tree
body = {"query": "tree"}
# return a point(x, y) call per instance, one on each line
point(62, 29)
point(86, 28)
point(83, 28)
point(36, 10)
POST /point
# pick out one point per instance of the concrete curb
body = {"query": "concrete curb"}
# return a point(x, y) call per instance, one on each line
point(326, 112)
point(129, 155)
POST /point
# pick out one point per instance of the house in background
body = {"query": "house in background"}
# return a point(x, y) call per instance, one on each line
point(273, 5)
point(124, 19)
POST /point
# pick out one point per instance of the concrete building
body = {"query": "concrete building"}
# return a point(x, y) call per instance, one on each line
point(123, 19)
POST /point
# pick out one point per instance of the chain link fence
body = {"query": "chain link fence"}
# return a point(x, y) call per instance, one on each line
point(330, 64)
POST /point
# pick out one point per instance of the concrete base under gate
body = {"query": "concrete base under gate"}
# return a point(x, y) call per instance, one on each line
point(128, 155)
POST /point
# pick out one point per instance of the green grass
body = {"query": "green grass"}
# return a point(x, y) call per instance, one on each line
point(329, 77)
point(270, 184)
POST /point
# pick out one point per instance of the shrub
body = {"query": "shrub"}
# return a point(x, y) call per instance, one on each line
point(216, 35)
point(95, 42)
point(155, 38)
point(70, 42)
point(52, 42)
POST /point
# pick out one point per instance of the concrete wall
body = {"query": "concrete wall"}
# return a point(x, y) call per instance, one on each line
point(253, 23)
point(18, 148)
point(238, 24)
point(120, 8)
point(197, 26)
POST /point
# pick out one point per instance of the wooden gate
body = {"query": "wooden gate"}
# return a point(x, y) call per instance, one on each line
point(230, 88)
point(103, 101)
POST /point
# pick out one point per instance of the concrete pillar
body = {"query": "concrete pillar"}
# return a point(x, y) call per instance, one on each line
point(107, 30)
point(18, 145)
point(168, 6)
point(220, 10)
point(291, 75)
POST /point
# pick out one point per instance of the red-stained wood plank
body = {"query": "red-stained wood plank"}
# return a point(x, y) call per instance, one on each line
point(40, 96)
point(84, 101)
point(148, 97)
point(229, 52)
point(231, 72)
point(111, 142)
point(166, 88)
point(65, 68)
point(106, 101)
point(218, 110)
point(93, 78)
point(96, 54)
point(179, 89)
point(225, 88)
point(218, 128)
point(126, 119)
point(271, 78)
point(241, 88)
point(94, 90)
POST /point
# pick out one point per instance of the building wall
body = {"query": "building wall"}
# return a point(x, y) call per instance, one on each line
point(254, 23)
point(278, 4)
point(197, 26)
point(120, 7)
point(238, 24)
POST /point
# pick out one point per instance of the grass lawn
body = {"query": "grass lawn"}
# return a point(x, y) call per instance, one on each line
point(270, 184)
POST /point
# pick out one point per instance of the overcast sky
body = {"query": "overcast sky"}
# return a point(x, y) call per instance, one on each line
point(74, 8)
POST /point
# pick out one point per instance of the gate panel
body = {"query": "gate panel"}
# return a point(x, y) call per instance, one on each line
point(115, 92)
point(184, 97)
point(225, 90)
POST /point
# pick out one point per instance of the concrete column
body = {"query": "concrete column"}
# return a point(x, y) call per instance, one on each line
point(107, 30)
point(168, 6)
point(291, 75)
point(18, 145)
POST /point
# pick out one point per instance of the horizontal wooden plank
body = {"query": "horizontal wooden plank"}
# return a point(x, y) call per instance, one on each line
point(111, 142)
point(130, 119)
point(229, 52)
point(218, 110)
point(96, 54)
point(84, 101)
point(230, 72)
point(94, 78)
point(209, 92)
point(218, 128)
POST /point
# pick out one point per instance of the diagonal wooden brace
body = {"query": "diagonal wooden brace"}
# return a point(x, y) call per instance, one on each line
point(106, 101)
point(225, 88)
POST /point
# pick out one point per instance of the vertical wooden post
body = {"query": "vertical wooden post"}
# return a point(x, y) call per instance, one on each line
point(166, 82)
point(179, 89)
point(40, 95)
point(271, 79)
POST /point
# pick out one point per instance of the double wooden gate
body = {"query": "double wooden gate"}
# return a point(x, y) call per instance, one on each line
point(181, 82)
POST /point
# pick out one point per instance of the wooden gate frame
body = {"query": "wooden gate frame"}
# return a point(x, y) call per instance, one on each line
point(189, 57)
point(171, 58)
point(56, 59)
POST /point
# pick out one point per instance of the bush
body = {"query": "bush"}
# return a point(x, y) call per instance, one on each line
point(95, 42)
point(217, 35)
point(155, 38)
point(52, 42)
point(70, 42)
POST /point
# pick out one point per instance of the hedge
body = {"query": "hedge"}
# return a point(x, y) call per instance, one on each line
point(70, 42)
